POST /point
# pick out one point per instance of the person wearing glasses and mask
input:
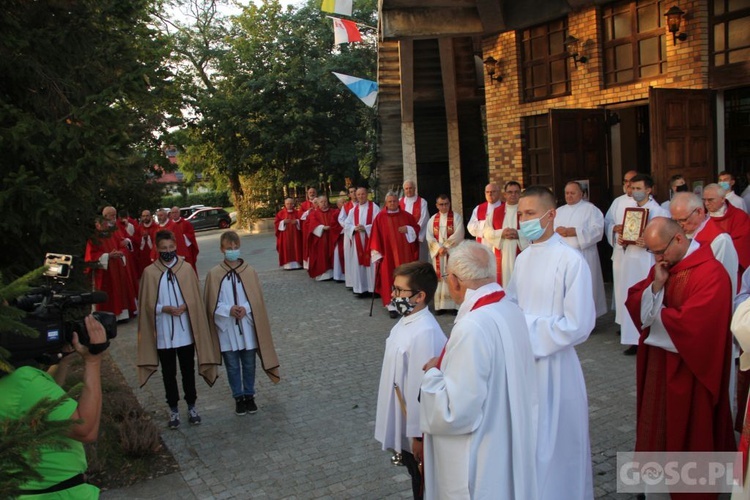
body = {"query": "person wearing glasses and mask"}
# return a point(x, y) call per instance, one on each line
point(636, 261)
point(414, 340)
point(682, 310)
point(612, 229)
point(552, 286)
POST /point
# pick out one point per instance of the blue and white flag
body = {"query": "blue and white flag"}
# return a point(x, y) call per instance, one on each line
point(367, 90)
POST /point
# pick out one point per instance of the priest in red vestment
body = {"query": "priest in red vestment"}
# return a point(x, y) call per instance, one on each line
point(683, 311)
point(304, 209)
point(112, 276)
point(731, 220)
point(393, 241)
point(184, 233)
point(289, 236)
point(324, 234)
point(145, 248)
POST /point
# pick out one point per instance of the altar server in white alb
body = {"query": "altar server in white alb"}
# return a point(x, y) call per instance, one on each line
point(415, 339)
point(445, 230)
point(552, 285)
point(417, 207)
point(581, 225)
point(357, 227)
point(636, 260)
point(479, 405)
point(612, 229)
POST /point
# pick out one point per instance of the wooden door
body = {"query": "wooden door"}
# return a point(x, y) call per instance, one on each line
point(579, 150)
point(683, 137)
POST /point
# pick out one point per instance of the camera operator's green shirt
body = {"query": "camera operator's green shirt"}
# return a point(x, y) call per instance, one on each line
point(21, 390)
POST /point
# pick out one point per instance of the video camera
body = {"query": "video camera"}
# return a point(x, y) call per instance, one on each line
point(55, 314)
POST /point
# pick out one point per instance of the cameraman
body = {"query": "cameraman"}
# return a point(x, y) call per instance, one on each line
point(62, 470)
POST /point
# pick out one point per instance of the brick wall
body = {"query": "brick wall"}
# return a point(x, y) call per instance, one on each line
point(687, 67)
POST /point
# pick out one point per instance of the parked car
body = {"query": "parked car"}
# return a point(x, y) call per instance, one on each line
point(209, 218)
point(186, 212)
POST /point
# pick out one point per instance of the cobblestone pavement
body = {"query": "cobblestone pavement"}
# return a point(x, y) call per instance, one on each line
point(313, 434)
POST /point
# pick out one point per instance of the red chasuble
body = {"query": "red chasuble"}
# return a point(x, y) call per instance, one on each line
point(145, 246)
point(683, 398)
point(115, 280)
point(393, 246)
point(416, 207)
point(737, 224)
point(181, 229)
point(321, 248)
point(288, 241)
point(498, 215)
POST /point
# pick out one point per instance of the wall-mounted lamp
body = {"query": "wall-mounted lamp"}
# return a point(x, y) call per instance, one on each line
point(674, 18)
point(576, 49)
point(492, 66)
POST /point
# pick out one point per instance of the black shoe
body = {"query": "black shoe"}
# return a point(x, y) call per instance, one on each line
point(174, 419)
point(250, 405)
point(631, 351)
point(393, 314)
point(239, 407)
point(358, 295)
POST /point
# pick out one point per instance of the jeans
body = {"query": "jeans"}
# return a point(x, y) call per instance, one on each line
point(240, 372)
point(168, 359)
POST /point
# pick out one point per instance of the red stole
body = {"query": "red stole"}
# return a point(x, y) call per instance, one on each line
point(736, 223)
point(348, 206)
point(363, 252)
point(417, 207)
point(488, 299)
point(436, 233)
point(497, 216)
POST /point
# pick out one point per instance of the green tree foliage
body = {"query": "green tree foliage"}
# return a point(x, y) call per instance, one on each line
point(274, 106)
point(83, 92)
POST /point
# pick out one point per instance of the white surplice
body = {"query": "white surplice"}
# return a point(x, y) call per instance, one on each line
point(362, 277)
point(588, 222)
point(424, 215)
point(636, 263)
point(348, 249)
point(552, 285)
point(492, 238)
point(413, 341)
point(443, 298)
point(736, 200)
point(614, 217)
point(479, 411)
point(234, 334)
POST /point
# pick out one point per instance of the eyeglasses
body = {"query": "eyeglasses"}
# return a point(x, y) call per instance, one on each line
point(445, 276)
point(399, 291)
point(661, 252)
point(682, 221)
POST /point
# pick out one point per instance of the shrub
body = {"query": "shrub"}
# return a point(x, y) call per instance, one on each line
point(138, 435)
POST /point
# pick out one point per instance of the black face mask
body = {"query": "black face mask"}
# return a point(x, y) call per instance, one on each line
point(168, 256)
point(682, 189)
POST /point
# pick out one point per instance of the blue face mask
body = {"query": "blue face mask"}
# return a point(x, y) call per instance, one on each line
point(232, 255)
point(725, 186)
point(532, 229)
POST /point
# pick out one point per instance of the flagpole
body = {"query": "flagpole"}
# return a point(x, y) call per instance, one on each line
point(355, 22)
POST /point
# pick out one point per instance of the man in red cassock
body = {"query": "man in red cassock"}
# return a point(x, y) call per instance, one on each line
point(120, 224)
point(324, 234)
point(731, 220)
point(683, 311)
point(144, 246)
point(289, 236)
point(393, 241)
point(184, 233)
point(108, 250)
point(304, 209)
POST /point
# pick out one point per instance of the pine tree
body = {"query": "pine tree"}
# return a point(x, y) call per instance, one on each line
point(23, 440)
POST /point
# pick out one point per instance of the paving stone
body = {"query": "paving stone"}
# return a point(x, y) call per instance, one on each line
point(313, 434)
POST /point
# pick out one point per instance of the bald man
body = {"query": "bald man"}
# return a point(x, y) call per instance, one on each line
point(683, 311)
point(417, 207)
point(495, 225)
point(552, 285)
